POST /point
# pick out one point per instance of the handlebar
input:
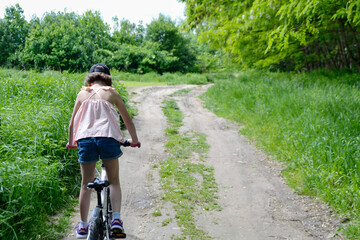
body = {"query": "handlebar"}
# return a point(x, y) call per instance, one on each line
point(126, 143)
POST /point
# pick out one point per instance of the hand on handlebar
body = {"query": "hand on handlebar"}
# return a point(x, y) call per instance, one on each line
point(68, 146)
point(128, 142)
point(138, 144)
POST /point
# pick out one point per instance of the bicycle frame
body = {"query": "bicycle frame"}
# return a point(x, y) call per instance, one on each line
point(98, 228)
point(105, 198)
point(100, 221)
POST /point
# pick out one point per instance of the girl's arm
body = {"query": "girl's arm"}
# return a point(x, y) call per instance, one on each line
point(71, 143)
point(126, 117)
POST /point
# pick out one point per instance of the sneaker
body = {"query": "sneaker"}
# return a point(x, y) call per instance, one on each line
point(81, 232)
point(117, 226)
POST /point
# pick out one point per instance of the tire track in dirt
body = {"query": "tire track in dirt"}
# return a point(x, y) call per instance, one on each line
point(255, 201)
point(137, 172)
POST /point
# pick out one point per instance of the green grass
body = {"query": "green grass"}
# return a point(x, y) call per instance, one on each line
point(188, 183)
point(308, 121)
point(167, 78)
point(166, 221)
point(142, 84)
point(157, 213)
point(38, 176)
point(181, 92)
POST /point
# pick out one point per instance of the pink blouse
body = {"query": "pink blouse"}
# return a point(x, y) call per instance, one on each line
point(96, 118)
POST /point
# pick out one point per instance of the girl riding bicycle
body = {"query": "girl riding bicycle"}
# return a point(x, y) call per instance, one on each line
point(95, 130)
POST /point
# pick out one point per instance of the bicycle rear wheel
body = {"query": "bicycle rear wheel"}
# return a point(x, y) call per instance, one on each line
point(108, 213)
point(96, 231)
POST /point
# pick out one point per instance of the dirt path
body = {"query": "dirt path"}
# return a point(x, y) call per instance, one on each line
point(255, 201)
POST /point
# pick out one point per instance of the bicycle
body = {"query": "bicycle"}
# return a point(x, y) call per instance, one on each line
point(100, 220)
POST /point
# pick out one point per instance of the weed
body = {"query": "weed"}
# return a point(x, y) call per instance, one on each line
point(166, 221)
point(157, 213)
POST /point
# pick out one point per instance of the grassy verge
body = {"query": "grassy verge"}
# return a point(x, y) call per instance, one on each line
point(308, 121)
point(38, 177)
point(188, 183)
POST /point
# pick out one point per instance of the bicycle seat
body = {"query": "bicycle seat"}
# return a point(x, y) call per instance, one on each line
point(98, 184)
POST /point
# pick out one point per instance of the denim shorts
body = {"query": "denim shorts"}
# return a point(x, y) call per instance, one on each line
point(93, 148)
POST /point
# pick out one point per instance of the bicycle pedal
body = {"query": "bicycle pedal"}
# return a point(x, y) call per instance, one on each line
point(118, 235)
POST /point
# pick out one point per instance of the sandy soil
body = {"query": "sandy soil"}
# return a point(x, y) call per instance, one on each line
point(256, 203)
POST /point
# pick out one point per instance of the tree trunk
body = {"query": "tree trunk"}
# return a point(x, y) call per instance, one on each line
point(349, 50)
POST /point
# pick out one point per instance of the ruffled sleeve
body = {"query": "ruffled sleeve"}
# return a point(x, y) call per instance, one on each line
point(83, 88)
point(108, 88)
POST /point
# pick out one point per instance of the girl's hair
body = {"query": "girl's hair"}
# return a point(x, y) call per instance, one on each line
point(99, 77)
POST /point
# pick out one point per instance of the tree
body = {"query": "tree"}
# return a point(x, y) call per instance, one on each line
point(68, 41)
point(232, 26)
point(164, 32)
point(65, 41)
point(326, 35)
point(13, 31)
point(126, 32)
point(287, 34)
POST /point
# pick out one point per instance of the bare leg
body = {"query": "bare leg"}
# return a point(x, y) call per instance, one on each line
point(88, 174)
point(112, 171)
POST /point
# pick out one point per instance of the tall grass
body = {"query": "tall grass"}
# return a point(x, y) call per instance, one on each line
point(311, 122)
point(38, 176)
point(169, 78)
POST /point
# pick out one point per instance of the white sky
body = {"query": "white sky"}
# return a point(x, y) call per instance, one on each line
point(132, 10)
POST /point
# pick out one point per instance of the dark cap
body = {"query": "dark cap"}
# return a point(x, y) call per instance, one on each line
point(100, 67)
